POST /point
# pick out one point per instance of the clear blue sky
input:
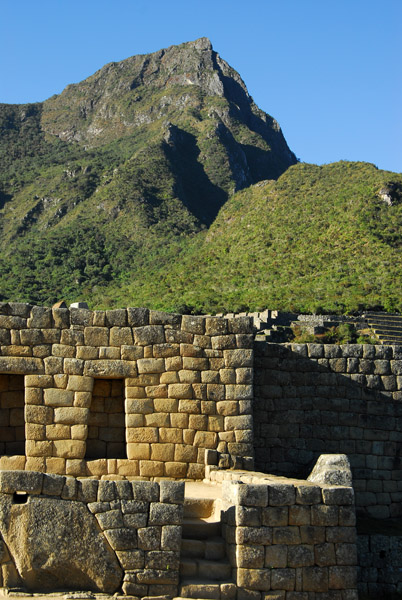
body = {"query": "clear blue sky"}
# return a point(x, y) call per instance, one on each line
point(328, 70)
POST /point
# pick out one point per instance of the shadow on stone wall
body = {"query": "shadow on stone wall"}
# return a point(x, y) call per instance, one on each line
point(312, 399)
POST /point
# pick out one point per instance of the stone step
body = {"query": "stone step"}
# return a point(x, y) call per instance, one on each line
point(397, 329)
point(385, 316)
point(206, 569)
point(203, 589)
point(200, 529)
point(391, 326)
point(211, 549)
point(198, 507)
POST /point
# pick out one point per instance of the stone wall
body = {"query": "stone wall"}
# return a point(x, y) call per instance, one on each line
point(187, 385)
point(64, 533)
point(312, 399)
point(379, 572)
point(290, 540)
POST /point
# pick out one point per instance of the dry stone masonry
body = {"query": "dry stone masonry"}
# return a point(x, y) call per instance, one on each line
point(61, 533)
point(127, 392)
point(314, 398)
point(104, 414)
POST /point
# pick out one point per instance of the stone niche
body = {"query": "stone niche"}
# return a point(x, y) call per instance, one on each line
point(12, 424)
point(127, 392)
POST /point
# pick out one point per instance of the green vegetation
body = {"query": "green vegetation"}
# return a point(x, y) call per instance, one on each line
point(158, 182)
point(345, 333)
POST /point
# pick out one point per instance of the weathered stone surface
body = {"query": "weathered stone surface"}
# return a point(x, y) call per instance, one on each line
point(332, 469)
point(56, 544)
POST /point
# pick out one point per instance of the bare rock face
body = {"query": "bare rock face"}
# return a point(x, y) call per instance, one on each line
point(56, 544)
point(332, 469)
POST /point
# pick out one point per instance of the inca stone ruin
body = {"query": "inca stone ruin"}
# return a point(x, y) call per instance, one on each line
point(154, 454)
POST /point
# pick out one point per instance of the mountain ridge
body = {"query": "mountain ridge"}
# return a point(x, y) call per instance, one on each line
point(158, 181)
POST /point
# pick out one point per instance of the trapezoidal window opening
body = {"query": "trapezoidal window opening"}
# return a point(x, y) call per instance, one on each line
point(12, 421)
point(106, 424)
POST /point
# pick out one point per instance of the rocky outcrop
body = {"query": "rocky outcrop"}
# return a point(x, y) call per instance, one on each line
point(56, 544)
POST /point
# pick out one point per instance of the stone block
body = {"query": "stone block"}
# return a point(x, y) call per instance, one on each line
point(109, 352)
point(308, 494)
point(341, 578)
point(140, 405)
point(165, 514)
point(347, 516)
point(158, 576)
point(34, 431)
point(58, 397)
point(341, 535)
point(57, 432)
point(176, 469)
point(80, 384)
point(142, 435)
point(110, 519)
point(286, 535)
point(238, 422)
point(122, 538)
point(171, 537)
point(186, 376)
point(254, 579)
point(281, 494)
point(162, 452)
point(151, 365)
point(69, 491)
point(245, 515)
point(106, 491)
point(149, 538)
point(172, 492)
point(254, 536)
point(312, 534)
point(193, 324)
point(238, 358)
point(301, 556)
point(205, 439)
point(227, 408)
point(41, 318)
point(87, 490)
point(299, 515)
point(162, 559)
point(38, 414)
point(23, 481)
point(250, 557)
point(283, 579)
point(195, 364)
point(121, 336)
point(157, 420)
point(174, 363)
point(338, 495)
point(324, 554)
point(315, 579)
point(156, 391)
point(346, 554)
point(322, 515)
point(55, 465)
point(130, 559)
point(70, 415)
point(251, 494)
point(69, 448)
point(276, 556)
point(149, 334)
point(96, 336)
point(110, 368)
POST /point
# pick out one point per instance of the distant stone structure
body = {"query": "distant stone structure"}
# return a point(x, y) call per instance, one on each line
point(105, 415)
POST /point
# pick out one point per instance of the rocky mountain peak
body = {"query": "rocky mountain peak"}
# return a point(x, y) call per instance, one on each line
point(117, 99)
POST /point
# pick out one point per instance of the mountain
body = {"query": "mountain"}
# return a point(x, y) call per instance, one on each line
point(123, 164)
point(319, 239)
point(157, 181)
